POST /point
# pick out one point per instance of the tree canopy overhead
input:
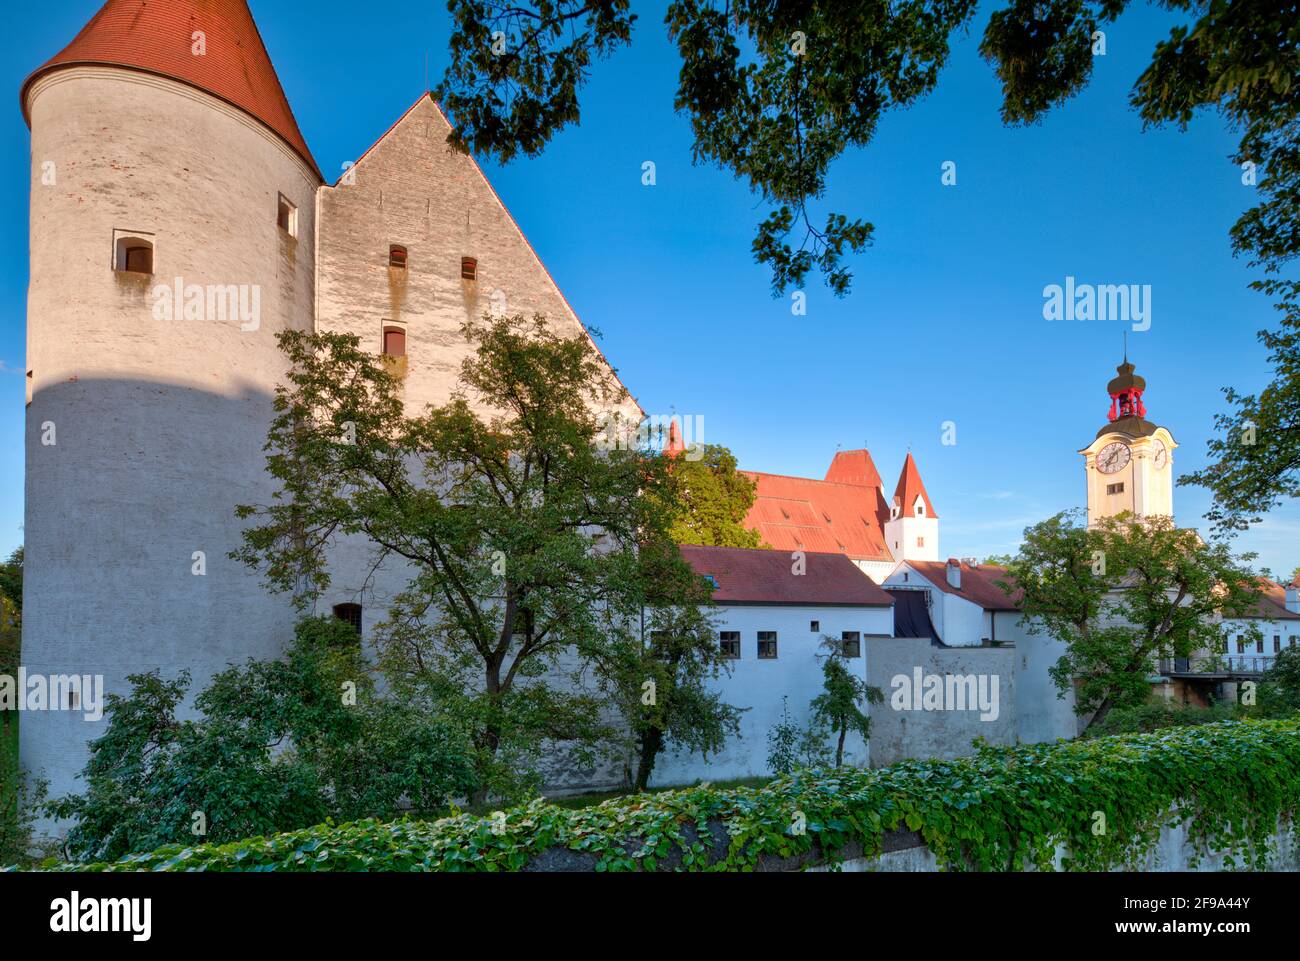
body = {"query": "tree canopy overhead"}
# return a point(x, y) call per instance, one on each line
point(776, 90)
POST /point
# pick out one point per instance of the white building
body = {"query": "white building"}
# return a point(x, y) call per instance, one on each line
point(1276, 618)
point(774, 611)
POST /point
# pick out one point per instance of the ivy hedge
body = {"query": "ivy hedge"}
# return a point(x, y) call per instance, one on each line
point(1005, 808)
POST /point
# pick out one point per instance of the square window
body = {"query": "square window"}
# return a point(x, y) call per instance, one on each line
point(851, 644)
point(729, 644)
point(286, 216)
point(767, 645)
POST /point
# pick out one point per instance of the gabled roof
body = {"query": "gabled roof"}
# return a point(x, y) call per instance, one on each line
point(802, 514)
point(979, 583)
point(755, 576)
point(156, 36)
point(910, 488)
point(854, 467)
point(1271, 605)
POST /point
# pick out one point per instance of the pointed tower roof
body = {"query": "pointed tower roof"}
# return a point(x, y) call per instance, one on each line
point(675, 444)
point(156, 36)
point(853, 467)
point(910, 488)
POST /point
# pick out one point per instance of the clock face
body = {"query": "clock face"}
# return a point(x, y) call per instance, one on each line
point(1162, 455)
point(1113, 458)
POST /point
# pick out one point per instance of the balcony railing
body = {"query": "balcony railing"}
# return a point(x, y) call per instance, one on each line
point(1225, 663)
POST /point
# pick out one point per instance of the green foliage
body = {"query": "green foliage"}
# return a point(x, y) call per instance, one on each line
point(1123, 594)
point(1003, 809)
point(1156, 716)
point(839, 706)
point(278, 745)
point(791, 748)
point(21, 798)
point(660, 681)
point(1283, 677)
point(775, 92)
point(11, 581)
point(1255, 459)
point(712, 501)
point(525, 538)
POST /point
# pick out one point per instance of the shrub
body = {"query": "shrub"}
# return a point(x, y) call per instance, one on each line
point(1002, 809)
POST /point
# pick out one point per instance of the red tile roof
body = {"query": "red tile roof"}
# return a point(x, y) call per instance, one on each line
point(854, 467)
point(1272, 603)
point(799, 513)
point(155, 36)
point(755, 576)
point(979, 583)
point(910, 488)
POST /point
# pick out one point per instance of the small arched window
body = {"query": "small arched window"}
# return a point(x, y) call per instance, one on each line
point(394, 342)
point(468, 268)
point(397, 256)
point(349, 614)
point(133, 254)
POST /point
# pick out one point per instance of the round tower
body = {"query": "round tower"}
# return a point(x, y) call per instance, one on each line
point(172, 238)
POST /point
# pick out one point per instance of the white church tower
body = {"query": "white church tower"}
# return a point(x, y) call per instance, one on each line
point(1129, 466)
point(165, 160)
point(912, 530)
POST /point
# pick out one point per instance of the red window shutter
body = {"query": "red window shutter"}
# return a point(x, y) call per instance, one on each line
point(395, 343)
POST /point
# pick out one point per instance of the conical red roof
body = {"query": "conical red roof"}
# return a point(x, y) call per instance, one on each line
point(910, 488)
point(156, 36)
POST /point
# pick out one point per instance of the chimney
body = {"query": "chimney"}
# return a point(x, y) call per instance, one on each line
point(1293, 598)
point(954, 573)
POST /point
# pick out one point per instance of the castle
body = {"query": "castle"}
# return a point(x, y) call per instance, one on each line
point(147, 411)
point(161, 273)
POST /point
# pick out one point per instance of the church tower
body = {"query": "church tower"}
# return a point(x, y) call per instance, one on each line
point(1129, 466)
point(912, 530)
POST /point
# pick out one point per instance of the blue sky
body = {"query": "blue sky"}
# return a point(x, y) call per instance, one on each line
point(944, 322)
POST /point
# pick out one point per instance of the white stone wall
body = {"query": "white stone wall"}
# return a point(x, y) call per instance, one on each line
point(759, 685)
point(159, 423)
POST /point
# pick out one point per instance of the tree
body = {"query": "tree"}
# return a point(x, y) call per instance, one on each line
point(839, 706)
point(1255, 461)
point(521, 536)
point(1283, 676)
point(713, 499)
point(776, 91)
point(1122, 594)
point(660, 679)
point(278, 745)
point(11, 582)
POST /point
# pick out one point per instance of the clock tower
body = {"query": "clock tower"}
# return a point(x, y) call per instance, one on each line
point(1130, 464)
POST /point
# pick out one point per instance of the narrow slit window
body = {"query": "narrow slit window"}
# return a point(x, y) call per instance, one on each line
point(468, 268)
point(286, 216)
point(397, 256)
